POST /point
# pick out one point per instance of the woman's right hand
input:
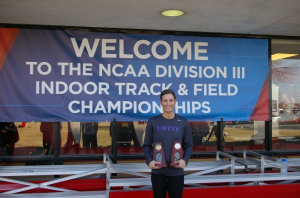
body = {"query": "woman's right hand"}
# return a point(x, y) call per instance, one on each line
point(152, 165)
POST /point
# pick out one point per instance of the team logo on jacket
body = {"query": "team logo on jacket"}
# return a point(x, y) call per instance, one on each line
point(168, 128)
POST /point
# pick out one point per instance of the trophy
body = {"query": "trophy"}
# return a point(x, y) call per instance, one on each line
point(159, 154)
point(177, 153)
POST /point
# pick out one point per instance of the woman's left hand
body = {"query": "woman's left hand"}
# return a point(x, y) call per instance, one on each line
point(181, 164)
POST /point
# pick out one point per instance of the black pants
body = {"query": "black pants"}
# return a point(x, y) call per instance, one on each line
point(162, 184)
point(90, 140)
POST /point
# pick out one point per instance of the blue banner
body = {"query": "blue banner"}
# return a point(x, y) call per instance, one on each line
point(93, 76)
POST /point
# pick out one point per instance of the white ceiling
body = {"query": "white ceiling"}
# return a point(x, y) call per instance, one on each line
point(255, 17)
point(259, 17)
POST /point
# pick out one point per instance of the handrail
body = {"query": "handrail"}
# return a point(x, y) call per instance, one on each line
point(259, 155)
point(105, 158)
point(238, 160)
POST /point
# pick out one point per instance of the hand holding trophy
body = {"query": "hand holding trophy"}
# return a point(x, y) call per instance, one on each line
point(177, 153)
point(159, 154)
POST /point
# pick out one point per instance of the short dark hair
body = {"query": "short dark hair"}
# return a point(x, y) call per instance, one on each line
point(167, 91)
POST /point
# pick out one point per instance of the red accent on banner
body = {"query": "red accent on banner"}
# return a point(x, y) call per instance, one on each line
point(7, 39)
point(261, 109)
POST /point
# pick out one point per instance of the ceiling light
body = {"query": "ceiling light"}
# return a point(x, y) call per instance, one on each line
point(172, 13)
point(281, 56)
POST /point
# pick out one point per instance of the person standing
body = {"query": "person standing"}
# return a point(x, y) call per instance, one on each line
point(8, 132)
point(167, 128)
point(47, 128)
point(89, 131)
point(73, 137)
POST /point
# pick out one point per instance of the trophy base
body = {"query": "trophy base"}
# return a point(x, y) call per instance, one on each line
point(174, 164)
point(161, 165)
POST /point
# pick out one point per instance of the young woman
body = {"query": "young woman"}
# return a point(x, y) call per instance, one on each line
point(167, 128)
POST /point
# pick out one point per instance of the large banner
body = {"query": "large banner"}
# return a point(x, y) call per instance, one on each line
point(93, 76)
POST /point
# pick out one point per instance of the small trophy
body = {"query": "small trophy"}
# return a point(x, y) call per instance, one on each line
point(159, 154)
point(177, 153)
